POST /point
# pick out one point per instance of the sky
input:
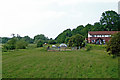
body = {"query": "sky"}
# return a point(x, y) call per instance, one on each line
point(49, 17)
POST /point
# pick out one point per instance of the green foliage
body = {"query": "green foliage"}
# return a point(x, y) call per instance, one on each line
point(61, 37)
point(14, 43)
point(76, 40)
point(67, 40)
point(40, 43)
point(110, 20)
point(21, 44)
point(96, 47)
point(52, 42)
point(28, 39)
point(113, 46)
point(5, 39)
point(88, 48)
point(40, 37)
point(10, 45)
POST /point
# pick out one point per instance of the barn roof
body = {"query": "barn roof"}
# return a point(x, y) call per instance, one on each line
point(102, 32)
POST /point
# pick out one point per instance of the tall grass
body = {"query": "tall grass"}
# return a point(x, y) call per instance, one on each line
point(38, 63)
point(95, 46)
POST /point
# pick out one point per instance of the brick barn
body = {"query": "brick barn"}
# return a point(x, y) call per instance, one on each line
point(100, 37)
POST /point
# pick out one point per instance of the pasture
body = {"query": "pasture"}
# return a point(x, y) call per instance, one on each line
point(39, 63)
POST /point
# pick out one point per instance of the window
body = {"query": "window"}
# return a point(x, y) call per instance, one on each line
point(93, 41)
point(93, 35)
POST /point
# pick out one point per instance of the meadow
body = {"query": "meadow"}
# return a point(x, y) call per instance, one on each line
point(39, 63)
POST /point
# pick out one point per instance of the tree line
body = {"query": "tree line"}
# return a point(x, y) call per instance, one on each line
point(109, 21)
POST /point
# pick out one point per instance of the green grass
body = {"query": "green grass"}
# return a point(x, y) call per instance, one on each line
point(38, 63)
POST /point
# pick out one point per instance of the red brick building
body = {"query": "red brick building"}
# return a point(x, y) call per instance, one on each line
point(100, 37)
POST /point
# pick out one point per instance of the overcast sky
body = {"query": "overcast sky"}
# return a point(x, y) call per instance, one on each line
point(49, 17)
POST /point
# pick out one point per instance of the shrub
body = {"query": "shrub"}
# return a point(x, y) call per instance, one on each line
point(52, 42)
point(88, 48)
point(113, 46)
point(10, 45)
point(21, 44)
point(14, 43)
point(76, 41)
point(40, 43)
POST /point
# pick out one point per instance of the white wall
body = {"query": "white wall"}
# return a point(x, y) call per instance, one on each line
point(89, 35)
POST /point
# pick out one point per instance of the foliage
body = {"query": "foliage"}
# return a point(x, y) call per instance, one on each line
point(61, 37)
point(76, 40)
point(67, 40)
point(40, 37)
point(14, 43)
point(21, 44)
point(10, 45)
point(88, 48)
point(40, 43)
point(110, 20)
point(113, 46)
point(52, 42)
point(5, 39)
point(28, 39)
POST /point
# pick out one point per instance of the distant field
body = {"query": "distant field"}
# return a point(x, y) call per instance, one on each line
point(38, 63)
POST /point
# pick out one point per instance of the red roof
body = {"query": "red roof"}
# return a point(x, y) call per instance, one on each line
point(102, 32)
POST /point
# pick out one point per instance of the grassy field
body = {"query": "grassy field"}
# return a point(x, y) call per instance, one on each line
point(38, 63)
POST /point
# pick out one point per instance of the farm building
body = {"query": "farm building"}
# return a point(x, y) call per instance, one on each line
point(100, 37)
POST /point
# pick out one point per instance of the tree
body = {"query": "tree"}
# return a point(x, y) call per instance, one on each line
point(28, 39)
point(40, 37)
point(13, 35)
point(10, 45)
point(67, 39)
point(61, 37)
point(113, 46)
point(21, 44)
point(5, 40)
point(110, 21)
point(76, 41)
point(97, 27)
point(40, 43)
point(52, 42)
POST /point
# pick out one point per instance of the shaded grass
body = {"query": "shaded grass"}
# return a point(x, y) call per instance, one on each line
point(38, 63)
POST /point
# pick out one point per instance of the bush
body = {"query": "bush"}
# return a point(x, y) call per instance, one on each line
point(10, 45)
point(88, 48)
point(113, 46)
point(21, 44)
point(52, 42)
point(40, 43)
point(76, 41)
point(14, 43)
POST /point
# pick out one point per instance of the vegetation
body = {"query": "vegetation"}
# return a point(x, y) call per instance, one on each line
point(109, 21)
point(28, 39)
point(14, 43)
point(40, 37)
point(76, 41)
point(61, 37)
point(38, 63)
point(40, 43)
point(113, 46)
point(52, 42)
point(21, 44)
point(20, 60)
point(5, 39)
